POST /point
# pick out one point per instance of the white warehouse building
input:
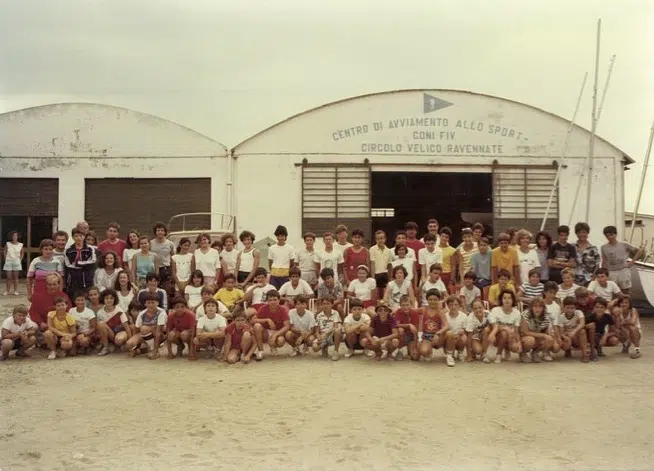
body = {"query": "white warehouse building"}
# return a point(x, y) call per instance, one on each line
point(66, 162)
point(378, 161)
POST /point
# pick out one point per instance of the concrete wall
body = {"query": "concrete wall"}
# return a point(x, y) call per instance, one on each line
point(431, 130)
point(72, 142)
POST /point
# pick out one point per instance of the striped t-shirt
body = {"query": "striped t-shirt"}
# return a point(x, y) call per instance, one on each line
point(537, 324)
point(533, 291)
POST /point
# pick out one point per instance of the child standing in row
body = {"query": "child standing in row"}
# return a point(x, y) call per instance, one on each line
point(281, 258)
point(13, 262)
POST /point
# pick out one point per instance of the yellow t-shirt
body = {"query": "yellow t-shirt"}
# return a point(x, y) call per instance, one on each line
point(494, 292)
point(227, 297)
point(447, 258)
point(504, 260)
point(59, 324)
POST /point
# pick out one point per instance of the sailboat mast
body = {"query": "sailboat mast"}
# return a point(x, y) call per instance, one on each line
point(642, 182)
point(593, 131)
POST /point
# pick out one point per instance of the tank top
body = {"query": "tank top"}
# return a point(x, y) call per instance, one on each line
point(230, 259)
point(353, 260)
point(144, 265)
point(247, 260)
point(124, 301)
point(183, 266)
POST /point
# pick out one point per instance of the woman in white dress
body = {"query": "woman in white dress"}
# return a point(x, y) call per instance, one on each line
point(107, 271)
point(207, 260)
point(181, 264)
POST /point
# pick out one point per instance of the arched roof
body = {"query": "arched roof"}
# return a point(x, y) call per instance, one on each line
point(68, 130)
point(334, 104)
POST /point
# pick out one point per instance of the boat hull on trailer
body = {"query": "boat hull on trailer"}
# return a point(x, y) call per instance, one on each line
point(642, 285)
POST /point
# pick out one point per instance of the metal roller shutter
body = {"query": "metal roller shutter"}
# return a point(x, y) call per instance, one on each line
point(520, 196)
point(29, 197)
point(140, 203)
point(336, 194)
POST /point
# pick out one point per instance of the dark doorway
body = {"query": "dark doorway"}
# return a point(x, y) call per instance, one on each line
point(400, 197)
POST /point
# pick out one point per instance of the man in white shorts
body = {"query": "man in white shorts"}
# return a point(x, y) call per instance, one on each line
point(618, 257)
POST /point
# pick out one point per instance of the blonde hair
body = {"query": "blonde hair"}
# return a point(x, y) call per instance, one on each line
point(522, 234)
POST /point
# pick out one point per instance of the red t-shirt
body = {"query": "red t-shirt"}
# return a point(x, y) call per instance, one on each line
point(183, 321)
point(431, 325)
point(42, 303)
point(236, 334)
point(118, 248)
point(412, 316)
point(415, 244)
point(382, 328)
point(352, 260)
point(278, 317)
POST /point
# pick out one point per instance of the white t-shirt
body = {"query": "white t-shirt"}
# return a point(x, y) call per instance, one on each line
point(329, 259)
point(125, 301)
point(425, 257)
point(362, 290)
point(409, 254)
point(527, 261)
point(457, 324)
point(553, 312)
point(161, 319)
point(470, 295)
point(104, 316)
point(287, 290)
point(14, 328)
point(605, 292)
point(281, 256)
point(350, 320)
point(498, 316)
point(396, 292)
point(194, 294)
point(304, 322)
point(306, 261)
point(570, 324)
point(342, 248)
point(13, 251)
point(475, 326)
point(82, 319)
point(439, 285)
point(208, 263)
point(128, 255)
point(205, 324)
point(563, 293)
point(183, 266)
point(230, 259)
point(407, 262)
point(259, 293)
point(199, 312)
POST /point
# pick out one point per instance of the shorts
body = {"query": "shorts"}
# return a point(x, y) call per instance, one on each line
point(278, 281)
point(446, 277)
point(117, 329)
point(428, 337)
point(381, 279)
point(164, 274)
point(17, 344)
point(408, 338)
point(12, 265)
point(328, 341)
point(241, 276)
point(622, 278)
point(482, 283)
point(310, 277)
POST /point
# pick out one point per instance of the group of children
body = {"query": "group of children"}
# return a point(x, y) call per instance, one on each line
point(412, 299)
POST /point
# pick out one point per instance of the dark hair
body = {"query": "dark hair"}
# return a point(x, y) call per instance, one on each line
point(432, 221)
point(340, 228)
point(398, 247)
point(204, 235)
point(209, 301)
point(309, 235)
point(547, 237)
point(610, 230)
point(129, 233)
point(328, 298)
point(602, 271)
point(281, 231)
point(207, 290)
point(197, 274)
point(326, 272)
point(134, 305)
point(478, 226)
point(411, 226)
point(60, 299)
point(300, 298)
point(182, 241)
point(79, 294)
point(102, 261)
point(229, 276)
point(453, 298)
point(435, 266)
point(178, 300)
point(327, 234)
point(503, 237)
point(601, 302)
point(470, 275)
point(402, 269)
point(273, 293)
point(507, 291)
point(74, 231)
point(447, 231)
point(534, 271)
point(433, 292)
point(624, 297)
point(91, 234)
point(354, 302)
point(503, 273)
point(405, 297)
point(399, 233)
point(109, 292)
point(217, 244)
point(563, 230)
point(429, 238)
point(115, 225)
point(294, 271)
point(358, 232)
point(246, 234)
point(570, 301)
point(581, 226)
point(511, 231)
point(46, 243)
point(239, 313)
point(551, 286)
point(159, 225)
point(117, 282)
point(260, 271)
point(152, 277)
point(484, 240)
point(226, 237)
point(150, 297)
point(466, 231)
point(60, 234)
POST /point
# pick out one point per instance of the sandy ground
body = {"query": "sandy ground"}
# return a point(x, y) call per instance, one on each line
point(309, 413)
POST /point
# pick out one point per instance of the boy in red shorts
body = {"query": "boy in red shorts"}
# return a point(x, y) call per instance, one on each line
point(382, 337)
point(270, 324)
point(238, 339)
point(180, 327)
point(408, 322)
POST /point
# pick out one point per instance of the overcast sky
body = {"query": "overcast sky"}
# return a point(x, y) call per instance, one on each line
point(232, 68)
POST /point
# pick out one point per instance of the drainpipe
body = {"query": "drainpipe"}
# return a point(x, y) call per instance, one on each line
point(229, 200)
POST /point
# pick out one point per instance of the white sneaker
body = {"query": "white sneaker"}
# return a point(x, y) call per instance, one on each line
point(273, 350)
point(395, 353)
point(369, 353)
point(498, 358)
point(5, 293)
point(349, 353)
point(16, 293)
point(384, 354)
point(295, 352)
point(258, 355)
point(456, 355)
point(52, 356)
point(336, 356)
point(547, 357)
point(486, 359)
point(103, 352)
point(399, 356)
point(449, 359)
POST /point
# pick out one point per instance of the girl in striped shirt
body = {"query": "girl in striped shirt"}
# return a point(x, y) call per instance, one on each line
point(528, 291)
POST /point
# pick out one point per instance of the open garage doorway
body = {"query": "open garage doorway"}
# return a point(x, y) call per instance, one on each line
point(456, 199)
